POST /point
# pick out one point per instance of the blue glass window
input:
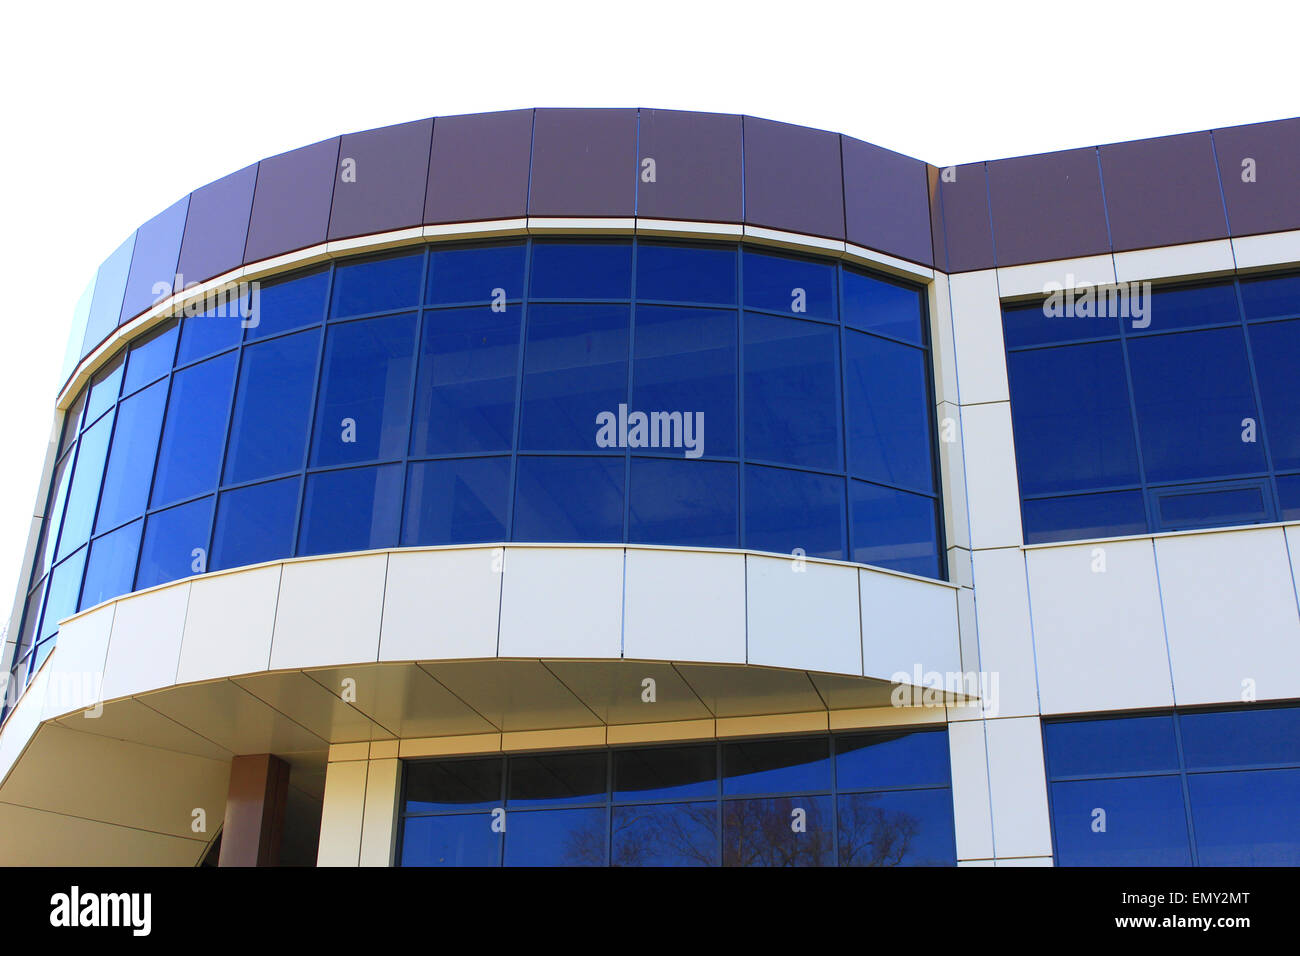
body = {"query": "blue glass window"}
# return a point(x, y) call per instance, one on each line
point(62, 592)
point(104, 388)
point(354, 509)
point(83, 494)
point(684, 502)
point(457, 501)
point(790, 286)
point(72, 421)
point(1194, 506)
point(581, 270)
point(151, 358)
point(1123, 745)
point(111, 565)
point(59, 483)
point(674, 273)
point(363, 412)
point(1272, 298)
point(276, 376)
point(776, 766)
point(787, 509)
point(665, 834)
point(557, 837)
point(1049, 323)
point(130, 463)
point(377, 285)
point(433, 785)
point(466, 839)
point(1275, 347)
point(175, 543)
point(255, 524)
point(889, 430)
point(1263, 735)
point(665, 773)
point(759, 832)
point(1084, 516)
point(475, 273)
point(194, 436)
point(1189, 307)
point(1246, 819)
point(207, 334)
point(569, 499)
point(894, 529)
point(882, 761)
point(902, 828)
point(291, 304)
point(1288, 492)
point(792, 400)
point(875, 305)
point(550, 780)
point(1145, 824)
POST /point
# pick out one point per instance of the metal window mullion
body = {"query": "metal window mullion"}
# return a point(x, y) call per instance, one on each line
point(1259, 400)
point(416, 352)
point(512, 487)
point(313, 412)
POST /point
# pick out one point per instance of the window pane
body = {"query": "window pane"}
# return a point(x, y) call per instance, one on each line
point(1247, 818)
point(671, 273)
point(894, 529)
point(1123, 745)
point(776, 766)
point(874, 305)
point(904, 828)
point(1049, 322)
point(209, 333)
point(790, 286)
point(292, 304)
point(474, 273)
point(666, 834)
point(761, 832)
point(175, 543)
point(1241, 738)
point(84, 491)
point(582, 270)
point(693, 503)
point(377, 285)
point(461, 840)
point(363, 412)
point(194, 436)
point(1181, 308)
point(1071, 418)
point(465, 395)
point(453, 784)
point(1191, 508)
point(898, 759)
point(1146, 824)
point(569, 500)
point(665, 773)
point(150, 358)
point(104, 388)
point(72, 421)
point(1288, 492)
point(1192, 393)
point(1271, 298)
point(549, 780)
point(61, 596)
point(130, 463)
point(575, 368)
point(268, 431)
point(888, 408)
point(792, 395)
point(111, 565)
point(785, 510)
point(255, 524)
point(685, 361)
point(355, 509)
point(457, 501)
point(59, 483)
point(557, 837)
point(1084, 516)
point(1275, 347)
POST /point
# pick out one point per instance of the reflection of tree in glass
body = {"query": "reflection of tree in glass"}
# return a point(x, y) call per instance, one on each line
point(874, 836)
point(758, 833)
point(684, 834)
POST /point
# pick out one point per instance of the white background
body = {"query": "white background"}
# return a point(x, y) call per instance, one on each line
point(111, 112)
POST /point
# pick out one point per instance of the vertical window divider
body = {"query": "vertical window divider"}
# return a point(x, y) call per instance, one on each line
point(157, 454)
point(416, 351)
point(314, 410)
point(1274, 497)
point(513, 491)
point(1148, 504)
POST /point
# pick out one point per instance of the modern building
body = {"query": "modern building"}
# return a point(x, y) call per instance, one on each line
point(630, 486)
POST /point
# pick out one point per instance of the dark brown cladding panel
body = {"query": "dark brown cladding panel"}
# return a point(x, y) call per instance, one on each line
point(1048, 206)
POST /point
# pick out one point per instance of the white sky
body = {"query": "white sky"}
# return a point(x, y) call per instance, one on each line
point(111, 112)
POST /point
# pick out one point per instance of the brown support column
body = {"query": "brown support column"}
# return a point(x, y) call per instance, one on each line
point(259, 787)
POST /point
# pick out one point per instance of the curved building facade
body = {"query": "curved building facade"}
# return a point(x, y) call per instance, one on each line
point(637, 487)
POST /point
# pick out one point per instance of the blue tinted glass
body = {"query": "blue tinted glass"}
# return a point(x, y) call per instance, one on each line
point(896, 759)
point(557, 838)
point(894, 529)
point(457, 501)
point(685, 361)
point(1071, 418)
point(776, 766)
point(670, 273)
point(175, 543)
point(1182, 308)
point(31, 618)
point(1271, 298)
point(130, 463)
point(581, 270)
point(665, 834)
point(1084, 516)
point(72, 421)
point(1050, 321)
point(548, 780)
point(1241, 738)
point(268, 429)
point(888, 408)
point(377, 285)
point(790, 286)
point(150, 358)
point(1123, 745)
point(1192, 393)
point(194, 436)
point(111, 565)
point(281, 306)
point(364, 408)
point(684, 502)
point(569, 499)
point(474, 273)
point(907, 828)
point(792, 395)
point(575, 368)
point(758, 832)
point(50, 527)
point(214, 331)
point(84, 490)
point(255, 524)
point(665, 773)
point(355, 509)
point(785, 510)
point(1276, 350)
point(875, 305)
point(1146, 824)
point(461, 840)
point(433, 785)
point(1247, 818)
point(465, 394)
point(104, 388)
point(1190, 508)
point(1288, 492)
point(61, 596)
